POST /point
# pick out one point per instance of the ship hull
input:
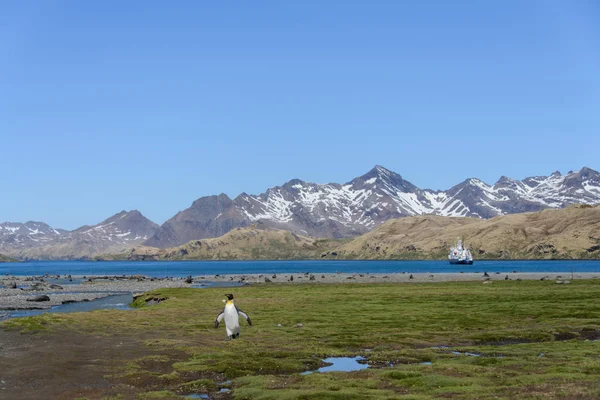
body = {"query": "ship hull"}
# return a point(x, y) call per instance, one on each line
point(461, 262)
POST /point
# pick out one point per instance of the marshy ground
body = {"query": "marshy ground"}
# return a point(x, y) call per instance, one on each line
point(463, 340)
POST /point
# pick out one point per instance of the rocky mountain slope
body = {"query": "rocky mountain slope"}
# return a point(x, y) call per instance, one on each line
point(351, 209)
point(16, 235)
point(37, 240)
point(571, 233)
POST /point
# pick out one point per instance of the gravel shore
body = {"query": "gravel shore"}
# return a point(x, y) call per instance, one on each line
point(16, 290)
point(304, 277)
point(83, 290)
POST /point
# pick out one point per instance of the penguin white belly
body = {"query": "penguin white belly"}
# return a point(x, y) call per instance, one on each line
point(232, 322)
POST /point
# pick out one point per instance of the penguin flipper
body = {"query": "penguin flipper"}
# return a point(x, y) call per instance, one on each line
point(243, 315)
point(219, 319)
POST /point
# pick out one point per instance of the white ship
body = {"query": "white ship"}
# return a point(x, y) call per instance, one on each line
point(460, 254)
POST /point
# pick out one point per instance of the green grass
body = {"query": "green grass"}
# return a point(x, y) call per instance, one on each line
point(37, 323)
point(518, 328)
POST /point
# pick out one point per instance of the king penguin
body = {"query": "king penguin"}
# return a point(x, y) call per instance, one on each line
point(231, 313)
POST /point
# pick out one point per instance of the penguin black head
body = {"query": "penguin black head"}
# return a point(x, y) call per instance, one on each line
point(229, 296)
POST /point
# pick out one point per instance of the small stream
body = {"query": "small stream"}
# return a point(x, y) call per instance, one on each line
point(115, 302)
point(118, 301)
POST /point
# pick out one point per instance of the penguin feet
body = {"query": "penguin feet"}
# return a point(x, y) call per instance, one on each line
point(235, 336)
point(228, 338)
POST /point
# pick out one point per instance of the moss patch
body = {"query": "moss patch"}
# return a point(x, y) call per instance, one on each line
point(529, 339)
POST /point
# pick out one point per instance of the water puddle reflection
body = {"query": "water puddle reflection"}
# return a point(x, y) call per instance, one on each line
point(466, 353)
point(341, 364)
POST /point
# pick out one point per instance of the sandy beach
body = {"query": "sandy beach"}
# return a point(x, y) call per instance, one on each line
point(15, 291)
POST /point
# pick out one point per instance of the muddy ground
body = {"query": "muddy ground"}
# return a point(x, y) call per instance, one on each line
point(67, 365)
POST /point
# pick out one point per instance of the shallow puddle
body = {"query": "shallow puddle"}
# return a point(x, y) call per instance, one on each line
point(458, 353)
point(197, 396)
point(116, 302)
point(466, 353)
point(341, 364)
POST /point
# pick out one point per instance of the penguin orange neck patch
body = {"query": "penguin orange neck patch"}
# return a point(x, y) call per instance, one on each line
point(229, 302)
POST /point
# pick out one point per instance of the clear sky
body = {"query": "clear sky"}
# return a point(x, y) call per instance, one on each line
point(111, 105)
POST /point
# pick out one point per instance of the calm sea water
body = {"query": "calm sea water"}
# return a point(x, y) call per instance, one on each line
point(198, 268)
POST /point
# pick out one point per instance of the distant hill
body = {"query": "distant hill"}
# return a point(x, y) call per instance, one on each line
point(37, 240)
point(348, 210)
point(571, 233)
point(255, 242)
point(4, 258)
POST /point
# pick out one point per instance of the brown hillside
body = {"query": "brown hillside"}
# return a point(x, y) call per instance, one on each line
point(568, 233)
point(253, 243)
point(4, 258)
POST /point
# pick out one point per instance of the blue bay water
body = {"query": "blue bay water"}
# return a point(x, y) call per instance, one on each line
point(198, 268)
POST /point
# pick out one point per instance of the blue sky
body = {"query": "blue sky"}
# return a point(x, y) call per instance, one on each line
point(146, 105)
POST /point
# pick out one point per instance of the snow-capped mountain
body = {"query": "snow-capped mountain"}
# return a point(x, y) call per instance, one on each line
point(29, 234)
point(318, 210)
point(122, 228)
point(38, 240)
point(353, 208)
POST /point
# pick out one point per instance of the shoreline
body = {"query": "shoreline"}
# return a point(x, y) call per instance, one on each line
point(16, 290)
point(94, 287)
point(396, 277)
point(164, 260)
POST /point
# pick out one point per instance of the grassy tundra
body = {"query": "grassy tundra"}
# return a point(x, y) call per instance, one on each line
point(529, 339)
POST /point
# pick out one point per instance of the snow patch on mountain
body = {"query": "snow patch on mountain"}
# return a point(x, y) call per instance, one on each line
point(319, 210)
point(121, 229)
point(367, 201)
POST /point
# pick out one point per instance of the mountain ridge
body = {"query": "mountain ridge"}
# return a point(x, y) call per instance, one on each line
point(308, 209)
point(571, 233)
point(335, 210)
point(37, 240)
